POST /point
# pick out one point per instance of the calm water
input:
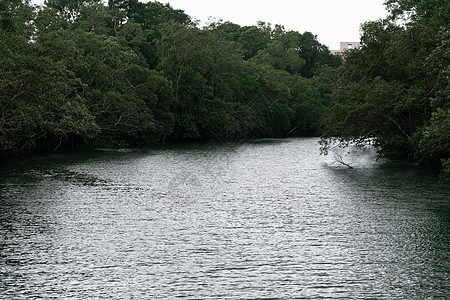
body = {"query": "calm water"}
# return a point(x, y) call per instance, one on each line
point(261, 220)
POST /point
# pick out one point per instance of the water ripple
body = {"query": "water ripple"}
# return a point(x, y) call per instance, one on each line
point(265, 220)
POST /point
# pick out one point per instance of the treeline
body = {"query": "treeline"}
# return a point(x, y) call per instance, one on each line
point(80, 73)
point(395, 89)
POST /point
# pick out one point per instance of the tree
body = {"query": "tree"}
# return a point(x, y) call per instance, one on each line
point(69, 9)
point(78, 73)
point(394, 90)
point(250, 39)
point(315, 55)
point(280, 58)
point(152, 17)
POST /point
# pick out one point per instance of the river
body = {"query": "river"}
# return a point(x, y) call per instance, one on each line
point(264, 219)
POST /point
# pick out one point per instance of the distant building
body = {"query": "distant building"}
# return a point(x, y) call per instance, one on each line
point(344, 47)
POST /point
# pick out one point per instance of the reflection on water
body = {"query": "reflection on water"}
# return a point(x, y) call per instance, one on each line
point(268, 219)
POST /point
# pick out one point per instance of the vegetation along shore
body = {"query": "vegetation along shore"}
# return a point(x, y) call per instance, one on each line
point(89, 74)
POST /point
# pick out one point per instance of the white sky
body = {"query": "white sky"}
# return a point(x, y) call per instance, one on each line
point(333, 21)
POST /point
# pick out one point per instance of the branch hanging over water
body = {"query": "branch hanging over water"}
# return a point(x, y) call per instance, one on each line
point(339, 159)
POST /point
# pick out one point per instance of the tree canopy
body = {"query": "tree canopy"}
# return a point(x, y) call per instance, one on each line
point(79, 73)
point(395, 89)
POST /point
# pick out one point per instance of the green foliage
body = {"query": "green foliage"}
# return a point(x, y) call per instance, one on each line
point(445, 168)
point(152, 18)
point(395, 89)
point(250, 39)
point(38, 102)
point(78, 73)
point(280, 58)
point(315, 55)
point(430, 12)
point(69, 9)
point(433, 140)
point(16, 26)
point(220, 95)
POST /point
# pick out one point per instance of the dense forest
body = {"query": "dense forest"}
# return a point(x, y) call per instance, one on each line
point(394, 91)
point(80, 73)
point(85, 73)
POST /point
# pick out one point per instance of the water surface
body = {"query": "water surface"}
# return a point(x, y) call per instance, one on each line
point(267, 219)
